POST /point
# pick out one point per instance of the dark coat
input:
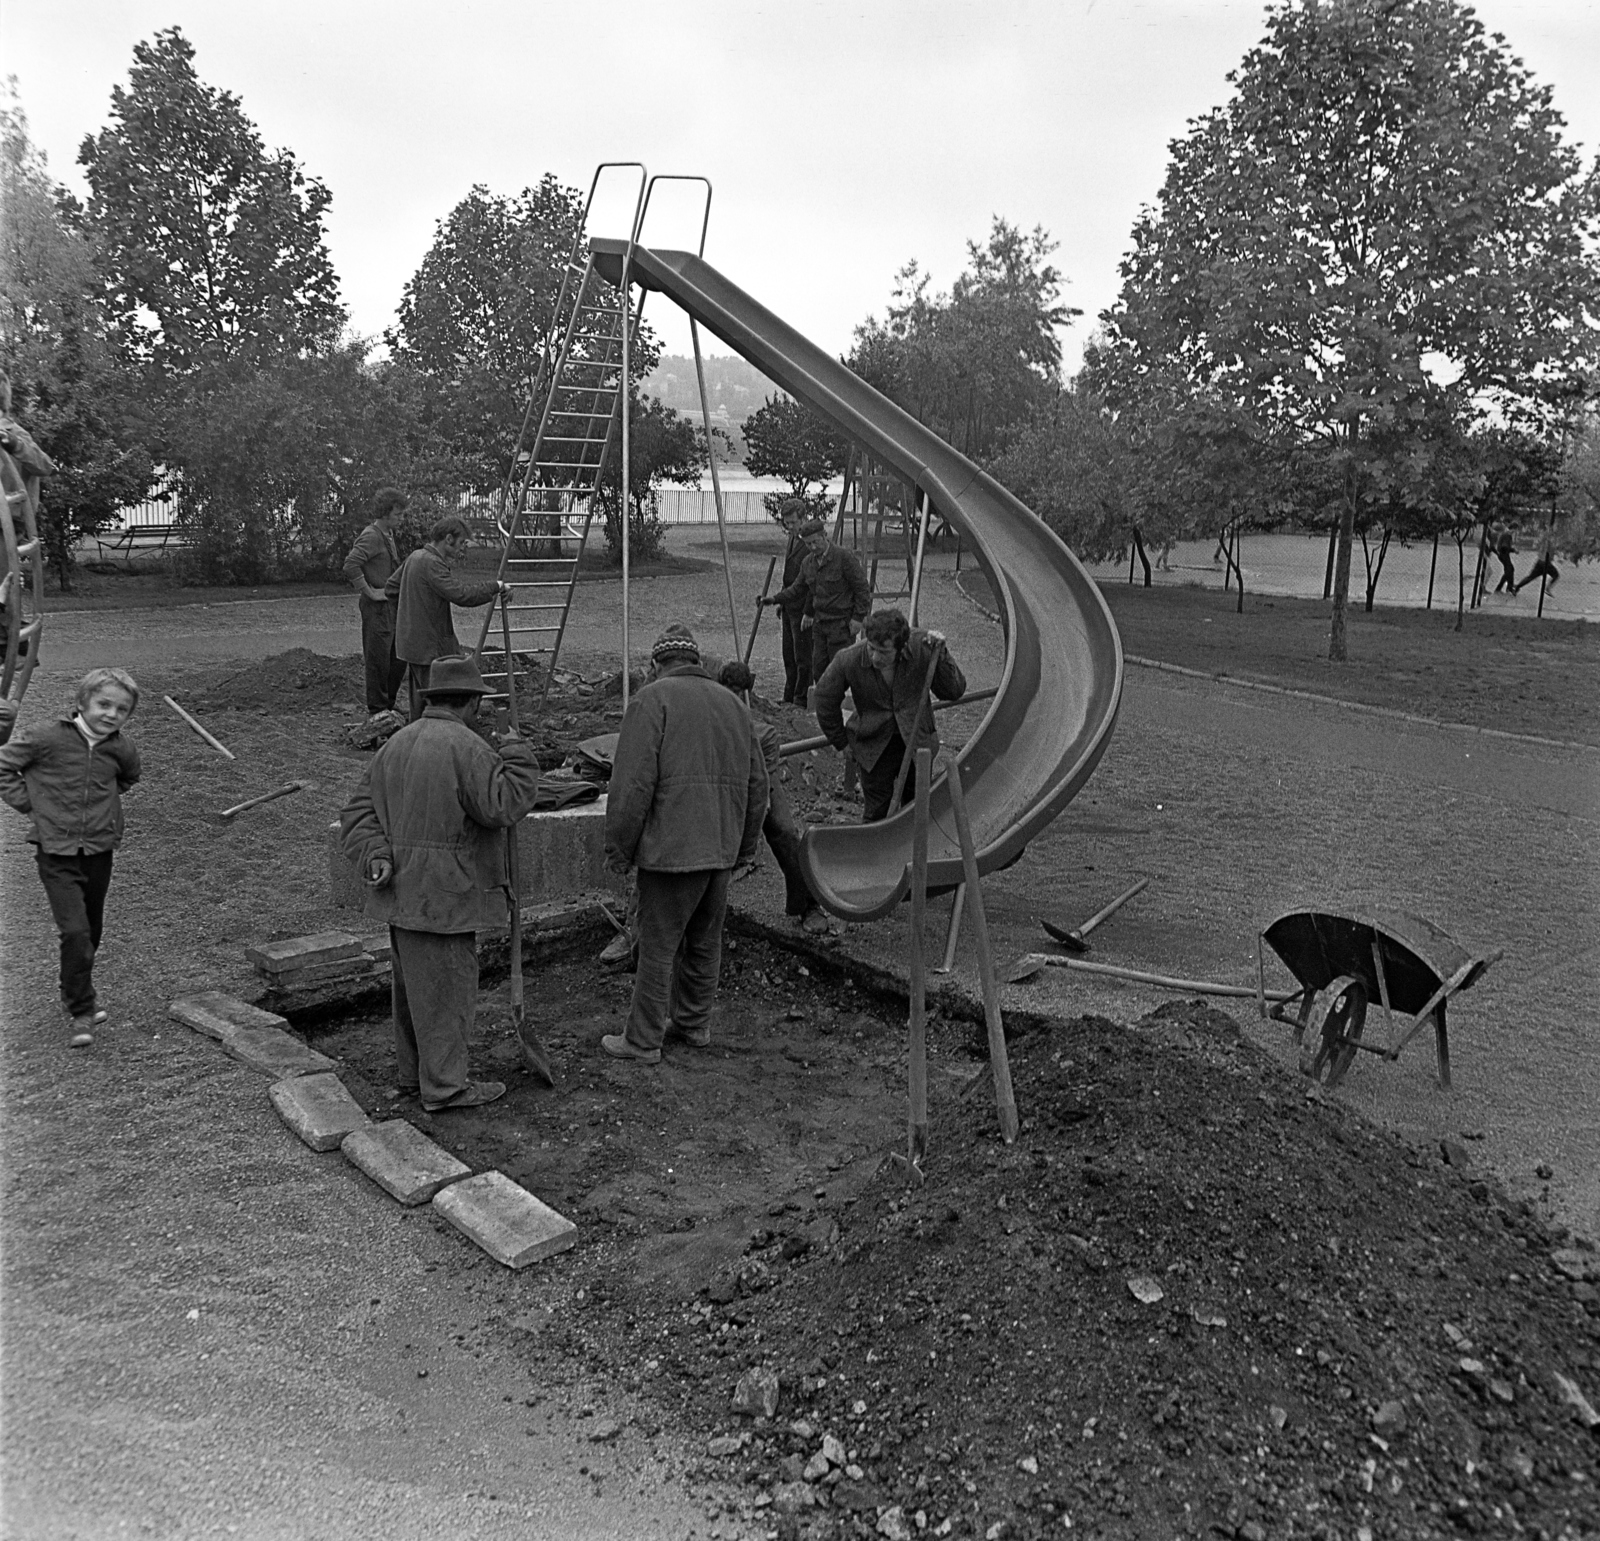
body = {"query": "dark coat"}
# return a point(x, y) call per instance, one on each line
point(425, 587)
point(372, 559)
point(71, 789)
point(794, 558)
point(882, 705)
point(434, 802)
point(688, 786)
point(832, 587)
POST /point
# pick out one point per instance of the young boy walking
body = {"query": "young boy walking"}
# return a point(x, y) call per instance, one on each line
point(69, 777)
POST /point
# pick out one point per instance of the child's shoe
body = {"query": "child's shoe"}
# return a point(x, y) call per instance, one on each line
point(81, 1036)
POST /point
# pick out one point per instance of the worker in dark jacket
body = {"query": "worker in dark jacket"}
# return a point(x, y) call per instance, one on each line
point(779, 826)
point(424, 830)
point(884, 672)
point(688, 794)
point(368, 567)
point(791, 613)
point(424, 587)
point(833, 593)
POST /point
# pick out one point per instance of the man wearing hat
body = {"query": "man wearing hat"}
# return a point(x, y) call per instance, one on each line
point(688, 794)
point(832, 592)
point(424, 832)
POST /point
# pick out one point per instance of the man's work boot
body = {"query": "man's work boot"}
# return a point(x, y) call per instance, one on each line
point(473, 1095)
point(618, 1047)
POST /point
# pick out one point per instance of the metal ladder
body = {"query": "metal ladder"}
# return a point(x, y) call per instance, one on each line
point(21, 576)
point(557, 477)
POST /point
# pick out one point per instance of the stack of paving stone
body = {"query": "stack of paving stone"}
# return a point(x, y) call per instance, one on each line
point(303, 970)
point(512, 1225)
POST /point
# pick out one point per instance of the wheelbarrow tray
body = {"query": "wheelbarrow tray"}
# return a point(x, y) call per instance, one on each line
point(1403, 962)
point(1319, 946)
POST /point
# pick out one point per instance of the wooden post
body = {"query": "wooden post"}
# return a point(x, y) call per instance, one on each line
point(1004, 1097)
point(917, 1052)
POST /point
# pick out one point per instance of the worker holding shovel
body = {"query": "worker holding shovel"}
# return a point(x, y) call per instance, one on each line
point(425, 831)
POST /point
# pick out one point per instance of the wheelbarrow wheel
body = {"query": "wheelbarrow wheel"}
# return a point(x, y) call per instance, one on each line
point(1331, 1035)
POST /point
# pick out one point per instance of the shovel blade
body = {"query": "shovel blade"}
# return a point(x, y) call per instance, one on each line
point(1025, 968)
point(535, 1057)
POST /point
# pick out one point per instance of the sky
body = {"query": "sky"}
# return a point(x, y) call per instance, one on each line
point(843, 138)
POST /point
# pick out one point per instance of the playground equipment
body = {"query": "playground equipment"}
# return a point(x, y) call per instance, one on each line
point(1343, 959)
point(1061, 683)
point(21, 577)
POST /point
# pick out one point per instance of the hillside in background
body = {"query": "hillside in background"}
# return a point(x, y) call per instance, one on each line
point(736, 390)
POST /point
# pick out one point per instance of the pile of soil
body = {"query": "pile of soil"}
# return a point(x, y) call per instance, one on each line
point(285, 682)
point(1196, 1297)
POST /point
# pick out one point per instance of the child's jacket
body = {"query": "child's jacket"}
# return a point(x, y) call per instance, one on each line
point(72, 790)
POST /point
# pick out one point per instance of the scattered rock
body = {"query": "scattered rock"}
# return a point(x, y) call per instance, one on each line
point(726, 1444)
point(1145, 1290)
point(1454, 1153)
point(1571, 1262)
point(603, 1431)
point(790, 1497)
point(756, 1395)
point(1279, 1416)
point(1029, 1465)
point(833, 1451)
point(1569, 1392)
point(1252, 1530)
point(893, 1525)
point(723, 1288)
point(792, 1468)
point(1390, 1419)
point(816, 1468)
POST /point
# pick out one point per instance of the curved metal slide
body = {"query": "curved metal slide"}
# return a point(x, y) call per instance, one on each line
point(1061, 684)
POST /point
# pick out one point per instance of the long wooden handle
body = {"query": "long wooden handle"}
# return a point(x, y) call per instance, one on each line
point(1005, 1098)
point(1112, 908)
point(917, 1049)
point(219, 747)
point(266, 797)
point(512, 875)
point(1033, 962)
point(755, 625)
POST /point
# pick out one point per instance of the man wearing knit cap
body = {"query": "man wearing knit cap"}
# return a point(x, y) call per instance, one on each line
point(688, 794)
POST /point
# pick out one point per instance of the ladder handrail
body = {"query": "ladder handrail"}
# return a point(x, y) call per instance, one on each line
point(671, 176)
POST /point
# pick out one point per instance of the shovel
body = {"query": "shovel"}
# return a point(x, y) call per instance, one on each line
point(534, 1055)
point(1074, 941)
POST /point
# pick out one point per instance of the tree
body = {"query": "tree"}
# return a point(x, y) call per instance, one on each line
point(280, 461)
point(479, 315)
point(975, 362)
point(783, 438)
point(1382, 230)
point(210, 247)
point(662, 447)
point(66, 389)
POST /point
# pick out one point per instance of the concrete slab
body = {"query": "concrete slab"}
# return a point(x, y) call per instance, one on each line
point(219, 1015)
point(274, 1052)
point(297, 952)
point(403, 1161)
point(318, 1109)
point(507, 1221)
point(561, 850)
point(320, 973)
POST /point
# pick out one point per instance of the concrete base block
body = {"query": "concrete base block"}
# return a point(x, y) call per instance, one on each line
point(220, 1016)
point(318, 1109)
point(274, 1052)
point(403, 1161)
point(320, 973)
point(298, 952)
point(561, 851)
point(507, 1221)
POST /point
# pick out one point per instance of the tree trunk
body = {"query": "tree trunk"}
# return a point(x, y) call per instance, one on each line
point(1461, 579)
point(1338, 651)
point(1333, 546)
point(1144, 561)
point(1374, 569)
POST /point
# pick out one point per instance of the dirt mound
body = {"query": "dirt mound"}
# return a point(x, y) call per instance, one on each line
point(287, 681)
point(1193, 1299)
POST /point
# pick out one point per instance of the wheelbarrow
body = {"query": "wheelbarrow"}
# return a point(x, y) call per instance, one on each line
point(1343, 960)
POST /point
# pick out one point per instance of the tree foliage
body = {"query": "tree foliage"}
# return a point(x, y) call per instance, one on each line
point(211, 247)
point(662, 447)
point(786, 439)
point(1380, 241)
point(974, 362)
point(66, 388)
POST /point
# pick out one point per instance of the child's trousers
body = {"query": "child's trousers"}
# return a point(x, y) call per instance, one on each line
point(76, 887)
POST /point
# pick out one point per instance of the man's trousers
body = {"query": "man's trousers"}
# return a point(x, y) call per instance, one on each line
point(680, 952)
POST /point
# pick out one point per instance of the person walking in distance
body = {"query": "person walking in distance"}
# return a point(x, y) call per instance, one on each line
point(368, 567)
point(779, 826)
point(424, 829)
point(832, 592)
point(68, 777)
point(1544, 566)
point(687, 799)
point(884, 673)
point(424, 587)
